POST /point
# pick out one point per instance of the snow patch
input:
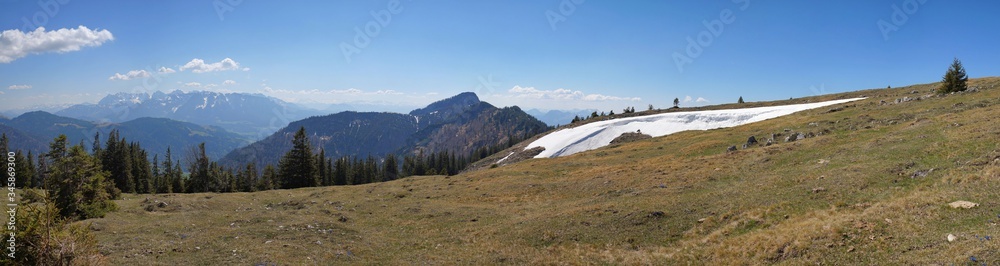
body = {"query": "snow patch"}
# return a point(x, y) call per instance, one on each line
point(505, 157)
point(599, 134)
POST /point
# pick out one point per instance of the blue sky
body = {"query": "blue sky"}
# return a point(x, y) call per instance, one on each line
point(545, 54)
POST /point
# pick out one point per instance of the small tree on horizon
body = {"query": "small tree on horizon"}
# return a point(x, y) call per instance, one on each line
point(740, 100)
point(677, 103)
point(955, 79)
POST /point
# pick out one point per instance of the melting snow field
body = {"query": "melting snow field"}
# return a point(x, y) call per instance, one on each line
point(599, 134)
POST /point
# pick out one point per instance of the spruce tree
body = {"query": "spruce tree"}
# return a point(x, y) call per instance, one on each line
point(740, 100)
point(677, 103)
point(267, 179)
point(298, 167)
point(78, 185)
point(955, 79)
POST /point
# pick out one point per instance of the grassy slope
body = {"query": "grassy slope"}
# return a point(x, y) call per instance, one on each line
point(672, 200)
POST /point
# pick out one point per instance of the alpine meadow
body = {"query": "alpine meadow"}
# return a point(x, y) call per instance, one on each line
point(555, 132)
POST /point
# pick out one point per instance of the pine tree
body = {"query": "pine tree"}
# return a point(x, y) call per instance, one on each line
point(117, 161)
point(3, 145)
point(200, 168)
point(340, 171)
point(740, 100)
point(955, 79)
point(267, 179)
point(321, 170)
point(168, 174)
point(179, 185)
point(250, 178)
point(78, 185)
point(677, 102)
point(298, 167)
point(29, 175)
point(157, 181)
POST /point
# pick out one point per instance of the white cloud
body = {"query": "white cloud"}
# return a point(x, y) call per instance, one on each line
point(388, 92)
point(229, 82)
point(166, 70)
point(1, 92)
point(15, 44)
point(701, 100)
point(199, 66)
point(19, 87)
point(134, 74)
point(563, 94)
point(246, 69)
point(687, 99)
point(192, 84)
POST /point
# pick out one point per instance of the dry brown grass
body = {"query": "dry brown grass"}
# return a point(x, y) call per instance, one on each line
point(678, 199)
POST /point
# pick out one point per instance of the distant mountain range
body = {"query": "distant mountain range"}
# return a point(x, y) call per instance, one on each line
point(459, 124)
point(251, 115)
point(34, 130)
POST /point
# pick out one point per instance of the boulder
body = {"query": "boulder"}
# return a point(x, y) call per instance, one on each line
point(963, 204)
point(731, 148)
point(751, 140)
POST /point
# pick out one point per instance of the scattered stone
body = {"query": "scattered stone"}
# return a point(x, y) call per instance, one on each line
point(751, 140)
point(656, 214)
point(963, 204)
point(952, 238)
point(702, 220)
point(833, 110)
point(824, 161)
point(922, 173)
point(770, 142)
point(342, 219)
point(731, 148)
point(819, 189)
point(882, 102)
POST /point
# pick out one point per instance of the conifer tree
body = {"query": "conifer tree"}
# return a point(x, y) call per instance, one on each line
point(267, 179)
point(677, 102)
point(740, 100)
point(298, 167)
point(955, 79)
point(78, 184)
point(200, 168)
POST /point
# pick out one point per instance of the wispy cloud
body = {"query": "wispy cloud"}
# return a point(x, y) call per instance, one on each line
point(15, 44)
point(134, 74)
point(199, 66)
point(564, 94)
point(229, 82)
point(19, 87)
point(688, 99)
point(192, 84)
point(166, 70)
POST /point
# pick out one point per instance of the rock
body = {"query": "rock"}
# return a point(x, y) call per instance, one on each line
point(731, 149)
point(963, 204)
point(795, 136)
point(751, 140)
point(952, 238)
point(819, 189)
point(702, 220)
point(770, 142)
point(922, 173)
